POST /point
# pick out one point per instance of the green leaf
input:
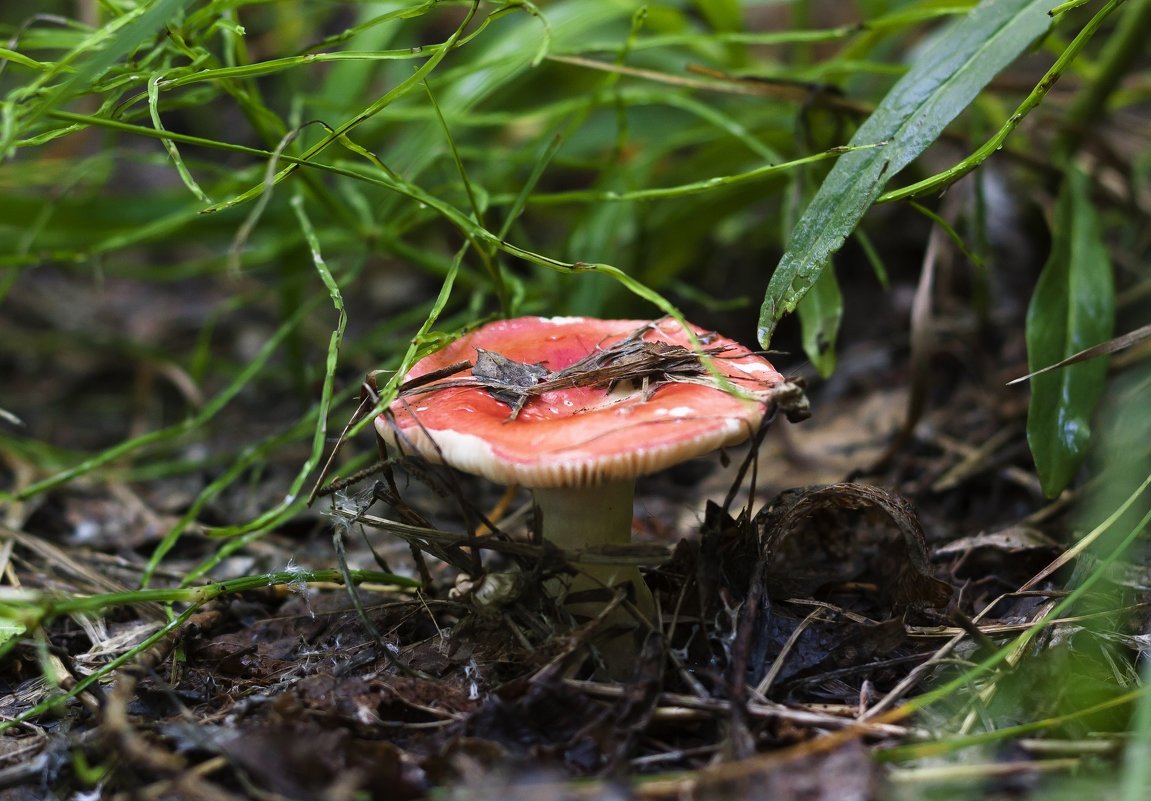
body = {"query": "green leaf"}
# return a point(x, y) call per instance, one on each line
point(723, 15)
point(1073, 308)
point(10, 630)
point(941, 83)
point(820, 312)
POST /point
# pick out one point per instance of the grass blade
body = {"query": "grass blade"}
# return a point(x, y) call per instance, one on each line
point(417, 76)
point(106, 47)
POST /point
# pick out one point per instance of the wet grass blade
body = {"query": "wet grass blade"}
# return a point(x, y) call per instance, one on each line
point(687, 189)
point(95, 56)
point(913, 114)
point(1072, 309)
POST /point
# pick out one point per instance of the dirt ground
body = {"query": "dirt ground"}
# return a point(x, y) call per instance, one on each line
point(868, 563)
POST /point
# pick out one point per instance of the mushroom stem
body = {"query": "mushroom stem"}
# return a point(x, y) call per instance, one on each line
point(578, 518)
point(584, 517)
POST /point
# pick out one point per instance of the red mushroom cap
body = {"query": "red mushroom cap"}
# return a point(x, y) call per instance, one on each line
point(583, 435)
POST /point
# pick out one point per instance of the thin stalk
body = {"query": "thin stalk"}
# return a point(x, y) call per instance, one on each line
point(39, 607)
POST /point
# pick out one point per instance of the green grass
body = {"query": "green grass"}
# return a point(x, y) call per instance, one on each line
point(361, 181)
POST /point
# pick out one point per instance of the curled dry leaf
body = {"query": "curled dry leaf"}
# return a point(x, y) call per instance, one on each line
point(812, 539)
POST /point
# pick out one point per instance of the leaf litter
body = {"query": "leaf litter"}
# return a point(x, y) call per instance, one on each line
point(642, 363)
point(786, 630)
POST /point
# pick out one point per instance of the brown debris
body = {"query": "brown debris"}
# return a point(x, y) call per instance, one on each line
point(632, 359)
point(791, 630)
point(857, 528)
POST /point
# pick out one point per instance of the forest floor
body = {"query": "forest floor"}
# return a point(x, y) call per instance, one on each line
point(901, 520)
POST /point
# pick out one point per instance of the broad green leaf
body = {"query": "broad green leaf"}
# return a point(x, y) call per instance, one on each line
point(820, 312)
point(1073, 308)
point(939, 85)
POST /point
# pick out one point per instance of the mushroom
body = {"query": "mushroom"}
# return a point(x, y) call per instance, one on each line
point(575, 409)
